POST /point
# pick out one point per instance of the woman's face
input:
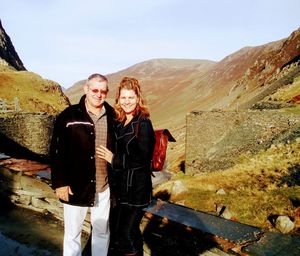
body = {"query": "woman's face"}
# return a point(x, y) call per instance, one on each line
point(128, 101)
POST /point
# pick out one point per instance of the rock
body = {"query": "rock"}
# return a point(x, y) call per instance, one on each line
point(178, 188)
point(25, 199)
point(221, 191)
point(224, 212)
point(37, 186)
point(227, 214)
point(160, 177)
point(284, 224)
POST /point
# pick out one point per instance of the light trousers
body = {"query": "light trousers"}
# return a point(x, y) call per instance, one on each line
point(74, 217)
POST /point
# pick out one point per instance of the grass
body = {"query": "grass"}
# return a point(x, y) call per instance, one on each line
point(35, 94)
point(288, 92)
point(294, 110)
point(260, 186)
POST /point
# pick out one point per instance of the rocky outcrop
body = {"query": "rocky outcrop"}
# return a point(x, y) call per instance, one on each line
point(8, 54)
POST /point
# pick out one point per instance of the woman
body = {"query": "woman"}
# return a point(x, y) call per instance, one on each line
point(130, 164)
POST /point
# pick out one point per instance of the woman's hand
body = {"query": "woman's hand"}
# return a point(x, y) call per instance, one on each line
point(104, 153)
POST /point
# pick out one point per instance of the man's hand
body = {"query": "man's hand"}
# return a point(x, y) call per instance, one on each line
point(63, 193)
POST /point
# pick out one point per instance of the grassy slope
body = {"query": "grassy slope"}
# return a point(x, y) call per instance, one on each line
point(286, 93)
point(260, 186)
point(35, 94)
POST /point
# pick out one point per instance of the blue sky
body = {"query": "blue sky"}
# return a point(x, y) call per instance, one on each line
point(67, 40)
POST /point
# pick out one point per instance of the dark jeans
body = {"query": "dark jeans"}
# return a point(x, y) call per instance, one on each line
point(126, 235)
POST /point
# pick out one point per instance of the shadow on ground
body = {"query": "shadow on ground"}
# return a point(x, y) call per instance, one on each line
point(162, 237)
point(25, 232)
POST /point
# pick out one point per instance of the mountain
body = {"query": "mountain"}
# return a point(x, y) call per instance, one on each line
point(238, 81)
point(33, 93)
point(265, 76)
point(174, 87)
point(162, 82)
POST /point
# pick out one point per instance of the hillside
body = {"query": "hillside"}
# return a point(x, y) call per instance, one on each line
point(33, 93)
point(175, 87)
point(160, 78)
point(178, 86)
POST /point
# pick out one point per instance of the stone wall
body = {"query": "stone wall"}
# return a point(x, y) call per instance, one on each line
point(31, 131)
point(215, 140)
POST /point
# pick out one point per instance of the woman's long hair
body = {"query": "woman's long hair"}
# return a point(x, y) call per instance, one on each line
point(130, 83)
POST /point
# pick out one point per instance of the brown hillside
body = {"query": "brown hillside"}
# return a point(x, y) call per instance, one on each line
point(175, 87)
point(161, 81)
point(161, 69)
point(178, 86)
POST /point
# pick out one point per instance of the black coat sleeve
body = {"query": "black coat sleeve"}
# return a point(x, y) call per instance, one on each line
point(58, 154)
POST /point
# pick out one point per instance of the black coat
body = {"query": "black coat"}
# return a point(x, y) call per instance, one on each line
point(131, 163)
point(72, 152)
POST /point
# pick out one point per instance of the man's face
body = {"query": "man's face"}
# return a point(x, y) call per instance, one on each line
point(96, 92)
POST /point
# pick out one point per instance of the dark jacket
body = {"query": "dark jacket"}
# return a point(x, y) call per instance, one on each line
point(131, 162)
point(72, 152)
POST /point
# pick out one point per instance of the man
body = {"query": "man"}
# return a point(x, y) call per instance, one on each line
point(80, 180)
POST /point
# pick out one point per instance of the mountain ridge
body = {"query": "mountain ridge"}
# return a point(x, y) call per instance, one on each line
point(231, 79)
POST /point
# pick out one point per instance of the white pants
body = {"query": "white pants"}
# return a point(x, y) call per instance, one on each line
point(74, 217)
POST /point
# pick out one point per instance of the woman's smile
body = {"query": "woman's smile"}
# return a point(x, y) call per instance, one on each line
point(128, 100)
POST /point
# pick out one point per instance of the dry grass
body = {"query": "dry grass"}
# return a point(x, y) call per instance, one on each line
point(288, 92)
point(35, 94)
point(259, 186)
